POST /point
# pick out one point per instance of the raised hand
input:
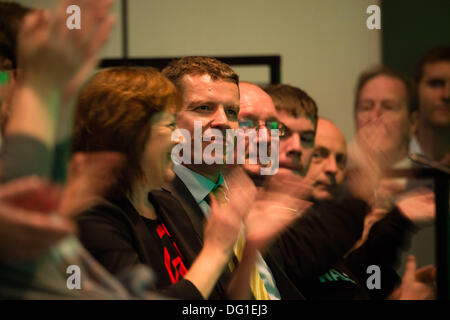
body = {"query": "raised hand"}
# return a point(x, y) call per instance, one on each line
point(227, 218)
point(278, 204)
point(91, 176)
point(418, 206)
point(416, 284)
point(52, 56)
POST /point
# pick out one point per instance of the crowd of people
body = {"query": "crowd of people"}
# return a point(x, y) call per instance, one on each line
point(89, 179)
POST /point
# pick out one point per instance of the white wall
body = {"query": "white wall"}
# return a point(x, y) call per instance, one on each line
point(324, 44)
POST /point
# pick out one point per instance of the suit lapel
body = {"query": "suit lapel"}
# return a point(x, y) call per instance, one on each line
point(185, 218)
point(180, 192)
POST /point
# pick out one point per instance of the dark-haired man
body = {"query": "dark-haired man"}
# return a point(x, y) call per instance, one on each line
point(432, 79)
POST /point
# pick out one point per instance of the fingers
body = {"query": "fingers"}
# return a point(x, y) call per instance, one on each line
point(409, 276)
point(213, 204)
point(426, 274)
point(21, 186)
point(101, 36)
point(391, 186)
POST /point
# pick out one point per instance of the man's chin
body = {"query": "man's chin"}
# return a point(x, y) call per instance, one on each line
point(253, 169)
point(321, 195)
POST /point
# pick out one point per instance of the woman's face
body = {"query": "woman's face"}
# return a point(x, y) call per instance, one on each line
point(156, 161)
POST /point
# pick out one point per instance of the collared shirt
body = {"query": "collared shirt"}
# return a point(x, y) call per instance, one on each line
point(414, 146)
point(200, 187)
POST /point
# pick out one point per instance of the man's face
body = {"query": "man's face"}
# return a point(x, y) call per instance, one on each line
point(297, 144)
point(328, 163)
point(434, 94)
point(256, 109)
point(214, 103)
point(383, 99)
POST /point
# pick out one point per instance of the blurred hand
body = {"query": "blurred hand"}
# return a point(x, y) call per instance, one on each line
point(446, 160)
point(278, 204)
point(418, 206)
point(52, 56)
point(367, 157)
point(416, 284)
point(28, 226)
point(91, 176)
point(226, 219)
point(287, 182)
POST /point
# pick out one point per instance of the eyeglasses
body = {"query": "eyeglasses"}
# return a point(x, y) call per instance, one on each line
point(269, 124)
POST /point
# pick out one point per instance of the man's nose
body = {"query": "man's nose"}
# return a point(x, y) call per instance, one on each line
point(263, 133)
point(375, 113)
point(220, 119)
point(331, 166)
point(294, 150)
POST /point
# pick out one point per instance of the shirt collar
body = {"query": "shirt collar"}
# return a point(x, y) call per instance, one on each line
point(198, 185)
point(414, 146)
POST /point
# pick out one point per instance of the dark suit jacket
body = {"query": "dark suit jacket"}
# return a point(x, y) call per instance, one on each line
point(185, 220)
point(307, 248)
point(117, 236)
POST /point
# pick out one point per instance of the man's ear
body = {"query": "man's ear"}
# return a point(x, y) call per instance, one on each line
point(413, 120)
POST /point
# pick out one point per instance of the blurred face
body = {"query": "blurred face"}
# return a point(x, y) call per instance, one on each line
point(383, 100)
point(214, 103)
point(297, 144)
point(257, 111)
point(434, 94)
point(156, 161)
point(328, 163)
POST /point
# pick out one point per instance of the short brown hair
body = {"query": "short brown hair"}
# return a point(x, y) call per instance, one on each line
point(114, 111)
point(436, 54)
point(197, 65)
point(391, 73)
point(293, 100)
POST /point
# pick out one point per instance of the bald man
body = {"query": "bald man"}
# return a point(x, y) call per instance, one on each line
point(258, 112)
point(327, 168)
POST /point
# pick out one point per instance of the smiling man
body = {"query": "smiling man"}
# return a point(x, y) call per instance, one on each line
point(210, 94)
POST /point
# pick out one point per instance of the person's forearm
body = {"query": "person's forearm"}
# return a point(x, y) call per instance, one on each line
point(63, 139)
point(206, 269)
point(66, 119)
point(34, 113)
